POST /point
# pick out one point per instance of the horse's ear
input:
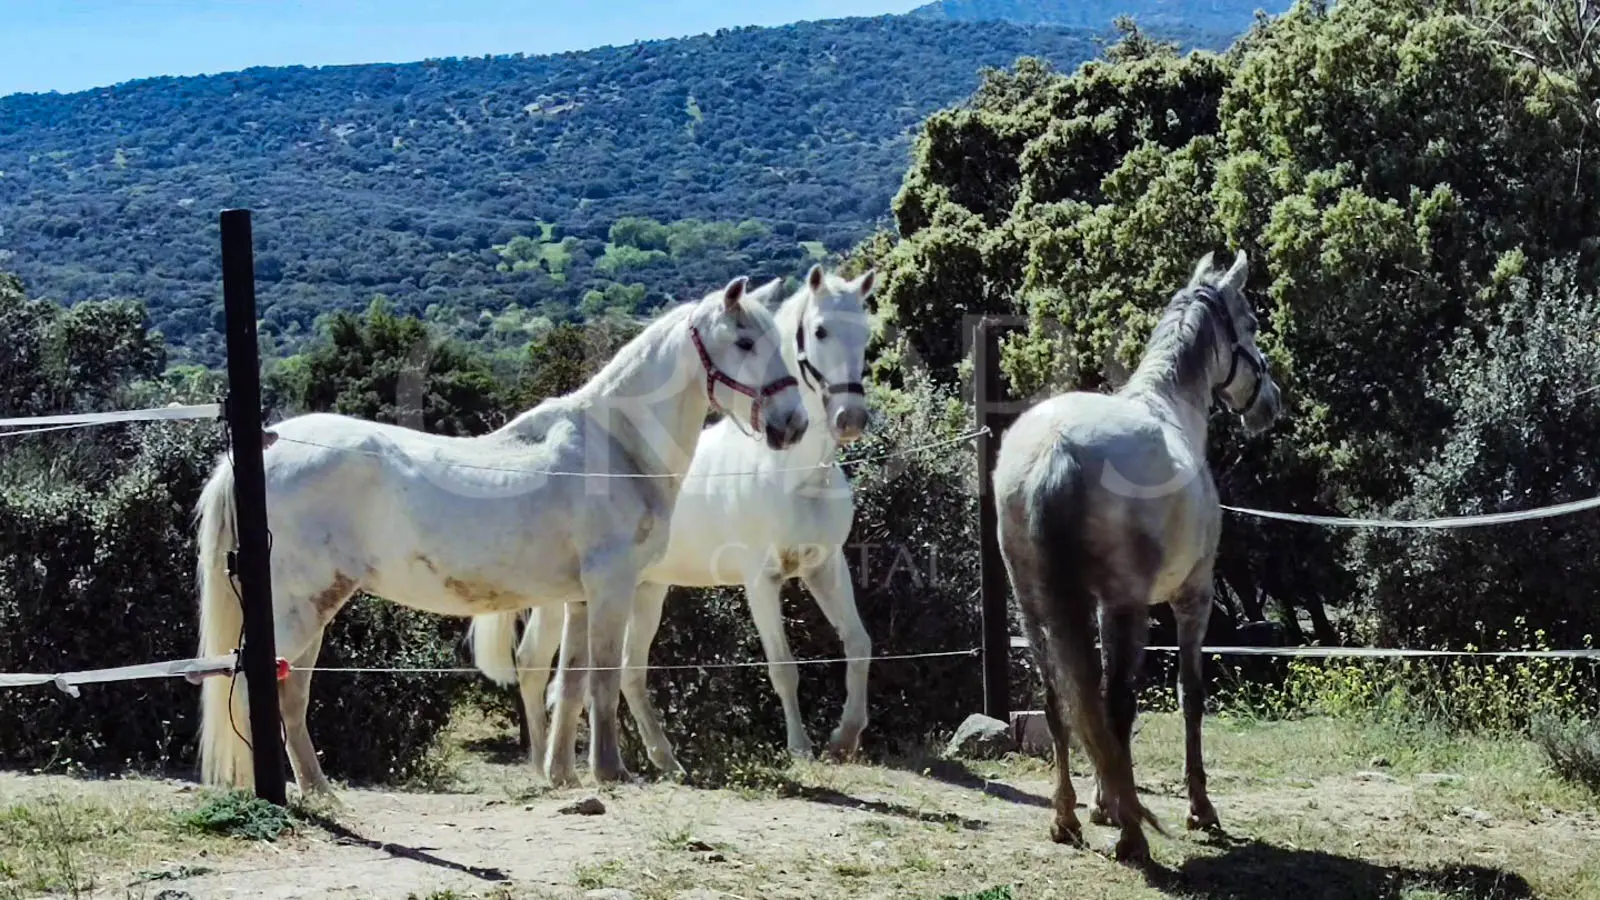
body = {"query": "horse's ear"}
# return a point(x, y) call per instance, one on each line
point(734, 291)
point(866, 283)
point(1239, 272)
point(770, 294)
point(1202, 268)
point(814, 277)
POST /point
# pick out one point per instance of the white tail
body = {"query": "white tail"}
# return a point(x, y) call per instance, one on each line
point(224, 731)
point(494, 645)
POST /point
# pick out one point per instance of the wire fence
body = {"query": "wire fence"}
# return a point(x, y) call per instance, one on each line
point(194, 670)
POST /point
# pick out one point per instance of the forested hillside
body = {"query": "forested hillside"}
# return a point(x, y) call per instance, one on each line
point(1228, 16)
point(463, 187)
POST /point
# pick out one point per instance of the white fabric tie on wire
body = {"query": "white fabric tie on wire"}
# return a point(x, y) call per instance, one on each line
point(190, 669)
point(78, 420)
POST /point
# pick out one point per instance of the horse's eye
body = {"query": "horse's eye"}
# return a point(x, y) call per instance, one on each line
point(745, 344)
point(822, 333)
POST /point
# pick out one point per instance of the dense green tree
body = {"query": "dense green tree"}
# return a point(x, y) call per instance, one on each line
point(559, 361)
point(391, 368)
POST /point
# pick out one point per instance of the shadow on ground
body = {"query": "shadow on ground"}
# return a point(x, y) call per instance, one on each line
point(957, 774)
point(345, 835)
point(1257, 870)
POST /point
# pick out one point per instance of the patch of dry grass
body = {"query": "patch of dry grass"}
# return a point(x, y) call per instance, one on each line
point(72, 838)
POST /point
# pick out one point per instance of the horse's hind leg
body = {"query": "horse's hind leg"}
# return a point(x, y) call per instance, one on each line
point(766, 607)
point(1051, 656)
point(294, 699)
point(1192, 608)
point(1066, 829)
point(540, 641)
point(648, 602)
point(1122, 638)
point(560, 758)
point(835, 595)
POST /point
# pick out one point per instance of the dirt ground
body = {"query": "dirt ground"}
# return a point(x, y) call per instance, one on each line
point(1312, 809)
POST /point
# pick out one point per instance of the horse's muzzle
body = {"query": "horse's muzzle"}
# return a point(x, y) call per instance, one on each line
point(787, 432)
point(849, 422)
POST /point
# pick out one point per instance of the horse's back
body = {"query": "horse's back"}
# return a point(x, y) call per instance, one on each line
point(1137, 498)
point(451, 525)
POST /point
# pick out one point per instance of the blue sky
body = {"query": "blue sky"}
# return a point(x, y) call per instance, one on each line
point(70, 45)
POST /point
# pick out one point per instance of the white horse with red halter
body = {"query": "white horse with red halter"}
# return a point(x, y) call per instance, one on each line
point(746, 516)
point(569, 501)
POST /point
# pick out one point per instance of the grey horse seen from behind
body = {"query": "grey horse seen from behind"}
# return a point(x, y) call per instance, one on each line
point(1105, 507)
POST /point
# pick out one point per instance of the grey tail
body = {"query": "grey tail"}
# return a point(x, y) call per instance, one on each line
point(1056, 515)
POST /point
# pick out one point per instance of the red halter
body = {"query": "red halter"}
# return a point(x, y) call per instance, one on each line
point(714, 375)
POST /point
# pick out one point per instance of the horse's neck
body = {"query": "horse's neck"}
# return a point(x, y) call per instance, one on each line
point(660, 433)
point(1183, 407)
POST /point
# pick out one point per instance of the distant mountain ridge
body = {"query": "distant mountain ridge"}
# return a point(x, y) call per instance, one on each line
point(1225, 16)
point(493, 194)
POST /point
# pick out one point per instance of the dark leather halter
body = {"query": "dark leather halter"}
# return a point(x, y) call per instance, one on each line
point(1213, 300)
point(758, 397)
point(810, 371)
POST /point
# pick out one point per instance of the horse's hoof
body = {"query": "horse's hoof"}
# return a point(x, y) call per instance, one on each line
point(1132, 849)
point(1204, 820)
point(618, 774)
point(841, 747)
point(801, 752)
point(563, 776)
point(1069, 832)
point(1101, 816)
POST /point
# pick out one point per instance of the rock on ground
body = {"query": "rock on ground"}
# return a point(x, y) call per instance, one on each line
point(980, 737)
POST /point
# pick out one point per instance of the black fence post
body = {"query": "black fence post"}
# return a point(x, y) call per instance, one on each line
point(994, 413)
point(250, 499)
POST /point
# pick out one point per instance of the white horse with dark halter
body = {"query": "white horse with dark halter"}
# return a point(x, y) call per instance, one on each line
point(568, 501)
point(746, 516)
point(1106, 507)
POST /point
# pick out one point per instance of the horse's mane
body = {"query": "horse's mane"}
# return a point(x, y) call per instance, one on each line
point(621, 363)
point(1185, 339)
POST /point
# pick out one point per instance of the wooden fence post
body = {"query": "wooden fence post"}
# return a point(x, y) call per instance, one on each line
point(250, 499)
point(993, 412)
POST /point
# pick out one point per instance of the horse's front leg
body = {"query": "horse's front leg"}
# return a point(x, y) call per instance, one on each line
point(1192, 609)
point(830, 585)
point(648, 602)
point(609, 589)
point(763, 592)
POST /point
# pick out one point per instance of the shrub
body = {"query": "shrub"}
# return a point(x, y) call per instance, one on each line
point(1522, 436)
point(1573, 746)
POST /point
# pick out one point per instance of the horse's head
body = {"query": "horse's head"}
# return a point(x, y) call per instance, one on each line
point(740, 348)
point(831, 347)
point(1242, 379)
